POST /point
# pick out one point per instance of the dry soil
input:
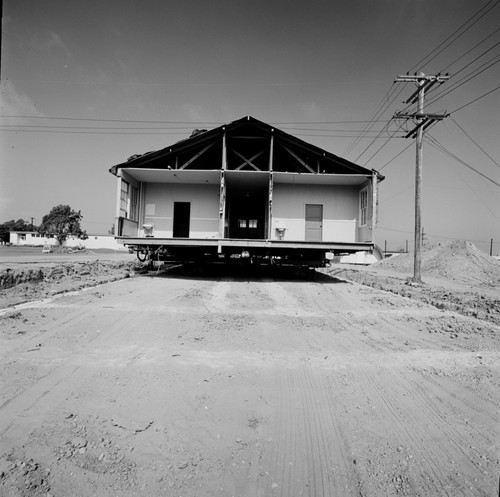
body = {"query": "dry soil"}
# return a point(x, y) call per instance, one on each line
point(245, 385)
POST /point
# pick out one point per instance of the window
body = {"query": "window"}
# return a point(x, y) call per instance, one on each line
point(124, 199)
point(129, 201)
point(252, 223)
point(134, 194)
point(363, 207)
point(242, 223)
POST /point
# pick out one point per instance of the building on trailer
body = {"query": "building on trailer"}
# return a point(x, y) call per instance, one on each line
point(245, 190)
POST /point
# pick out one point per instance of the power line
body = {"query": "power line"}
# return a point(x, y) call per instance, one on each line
point(111, 120)
point(378, 113)
point(475, 100)
point(436, 144)
point(34, 127)
point(396, 156)
point(466, 79)
point(395, 195)
point(479, 197)
point(436, 236)
point(329, 122)
point(456, 84)
point(63, 131)
point(453, 37)
point(470, 50)
point(148, 132)
point(475, 143)
point(381, 147)
point(462, 81)
point(457, 33)
point(191, 123)
point(184, 129)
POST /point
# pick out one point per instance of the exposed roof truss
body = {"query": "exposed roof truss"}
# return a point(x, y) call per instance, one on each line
point(245, 145)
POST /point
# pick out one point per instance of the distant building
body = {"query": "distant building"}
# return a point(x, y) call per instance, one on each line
point(34, 239)
point(28, 238)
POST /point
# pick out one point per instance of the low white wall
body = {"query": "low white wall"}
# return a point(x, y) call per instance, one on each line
point(96, 242)
point(92, 242)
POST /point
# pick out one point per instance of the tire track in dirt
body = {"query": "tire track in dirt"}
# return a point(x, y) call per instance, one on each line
point(405, 409)
point(342, 477)
point(481, 411)
point(459, 438)
point(21, 414)
point(401, 421)
point(309, 456)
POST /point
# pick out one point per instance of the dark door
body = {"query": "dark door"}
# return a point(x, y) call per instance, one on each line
point(182, 212)
point(314, 223)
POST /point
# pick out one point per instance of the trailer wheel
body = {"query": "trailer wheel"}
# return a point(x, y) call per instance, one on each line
point(142, 255)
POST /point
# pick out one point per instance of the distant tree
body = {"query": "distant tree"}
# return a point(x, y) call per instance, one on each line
point(12, 225)
point(61, 222)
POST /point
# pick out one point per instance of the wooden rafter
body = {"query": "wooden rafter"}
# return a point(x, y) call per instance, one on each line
point(295, 156)
point(201, 152)
point(248, 161)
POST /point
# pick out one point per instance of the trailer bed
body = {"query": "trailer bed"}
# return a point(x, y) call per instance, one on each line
point(278, 252)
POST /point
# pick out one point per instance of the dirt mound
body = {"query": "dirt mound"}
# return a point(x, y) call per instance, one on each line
point(458, 261)
point(18, 284)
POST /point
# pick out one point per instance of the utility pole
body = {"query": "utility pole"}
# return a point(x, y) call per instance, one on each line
point(1, 35)
point(423, 121)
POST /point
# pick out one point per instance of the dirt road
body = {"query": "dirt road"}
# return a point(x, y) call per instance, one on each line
point(223, 386)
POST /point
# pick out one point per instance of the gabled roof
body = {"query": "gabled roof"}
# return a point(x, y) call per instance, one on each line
point(203, 150)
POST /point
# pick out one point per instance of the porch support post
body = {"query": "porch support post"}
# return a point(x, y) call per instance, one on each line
point(222, 190)
point(141, 205)
point(270, 207)
point(118, 202)
point(224, 151)
point(374, 203)
point(271, 185)
point(222, 204)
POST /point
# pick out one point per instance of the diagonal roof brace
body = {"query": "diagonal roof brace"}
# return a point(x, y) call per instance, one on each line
point(293, 154)
point(201, 152)
point(248, 161)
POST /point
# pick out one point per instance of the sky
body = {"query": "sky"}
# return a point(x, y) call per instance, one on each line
point(86, 84)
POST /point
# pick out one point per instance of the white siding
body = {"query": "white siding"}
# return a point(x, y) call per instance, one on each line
point(159, 208)
point(340, 210)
